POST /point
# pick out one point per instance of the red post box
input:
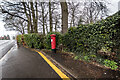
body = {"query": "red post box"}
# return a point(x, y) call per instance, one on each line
point(53, 42)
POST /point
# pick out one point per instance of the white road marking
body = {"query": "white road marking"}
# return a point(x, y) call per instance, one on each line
point(3, 58)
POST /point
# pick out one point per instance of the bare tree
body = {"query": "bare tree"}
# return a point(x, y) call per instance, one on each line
point(74, 12)
point(48, 16)
point(56, 16)
point(27, 11)
point(34, 17)
point(14, 23)
point(14, 16)
point(94, 11)
point(56, 19)
point(25, 5)
point(43, 15)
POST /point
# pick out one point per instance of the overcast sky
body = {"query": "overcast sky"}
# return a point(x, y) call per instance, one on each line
point(113, 7)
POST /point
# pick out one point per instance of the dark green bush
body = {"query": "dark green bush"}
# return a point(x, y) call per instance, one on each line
point(111, 64)
point(47, 41)
point(88, 39)
point(19, 39)
point(33, 40)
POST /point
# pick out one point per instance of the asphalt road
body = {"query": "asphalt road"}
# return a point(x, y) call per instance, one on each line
point(24, 63)
point(5, 46)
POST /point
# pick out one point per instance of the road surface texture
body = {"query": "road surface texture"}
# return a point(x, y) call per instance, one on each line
point(5, 46)
point(24, 63)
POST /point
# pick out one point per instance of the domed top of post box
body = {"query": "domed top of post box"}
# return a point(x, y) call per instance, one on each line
point(53, 35)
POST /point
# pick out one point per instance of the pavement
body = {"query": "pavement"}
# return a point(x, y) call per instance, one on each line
point(24, 63)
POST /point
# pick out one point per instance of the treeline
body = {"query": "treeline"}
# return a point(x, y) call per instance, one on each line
point(44, 17)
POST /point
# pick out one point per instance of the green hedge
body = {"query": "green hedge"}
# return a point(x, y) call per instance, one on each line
point(39, 41)
point(33, 40)
point(88, 39)
point(19, 39)
point(47, 40)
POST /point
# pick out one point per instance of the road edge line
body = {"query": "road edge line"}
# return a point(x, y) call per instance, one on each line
point(58, 71)
point(70, 75)
point(7, 52)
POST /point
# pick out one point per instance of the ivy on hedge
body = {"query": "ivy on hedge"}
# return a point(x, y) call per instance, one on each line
point(88, 39)
point(19, 39)
point(33, 40)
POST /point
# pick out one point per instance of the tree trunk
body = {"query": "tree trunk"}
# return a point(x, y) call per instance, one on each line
point(91, 11)
point(43, 24)
point(30, 19)
point(64, 17)
point(56, 22)
point(23, 30)
point(73, 18)
point(71, 23)
point(50, 16)
point(55, 26)
point(28, 25)
point(34, 18)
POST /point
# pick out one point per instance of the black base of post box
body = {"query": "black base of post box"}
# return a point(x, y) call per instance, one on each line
point(54, 50)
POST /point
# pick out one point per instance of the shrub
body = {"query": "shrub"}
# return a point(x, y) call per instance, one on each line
point(86, 58)
point(76, 57)
point(111, 64)
point(33, 40)
point(47, 40)
point(19, 39)
point(88, 39)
